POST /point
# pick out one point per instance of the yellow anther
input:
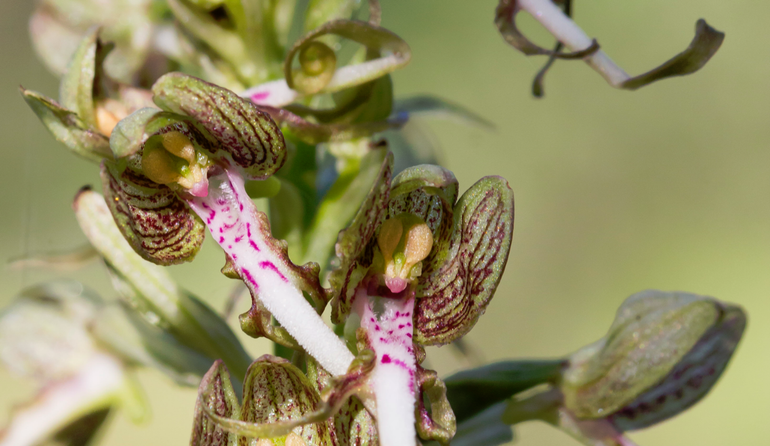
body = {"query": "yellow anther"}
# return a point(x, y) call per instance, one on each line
point(159, 166)
point(179, 145)
point(174, 160)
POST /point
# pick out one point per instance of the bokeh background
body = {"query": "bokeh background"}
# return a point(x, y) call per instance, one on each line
point(667, 187)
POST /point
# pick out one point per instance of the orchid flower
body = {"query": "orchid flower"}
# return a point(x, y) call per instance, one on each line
point(418, 267)
point(663, 353)
point(90, 102)
point(283, 405)
point(47, 335)
point(180, 169)
point(57, 28)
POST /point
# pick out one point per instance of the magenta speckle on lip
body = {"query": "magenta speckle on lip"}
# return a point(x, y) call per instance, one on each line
point(253, 245)
point(250, 278)
point(385, 359)
point(221, 240)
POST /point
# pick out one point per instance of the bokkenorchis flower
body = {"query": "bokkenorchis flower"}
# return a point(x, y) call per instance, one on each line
point(51, 334)
point(418, 267)
point(58, 26)
point(181, 168)
point(282, 405)
point(90, 102)
point(663, 353)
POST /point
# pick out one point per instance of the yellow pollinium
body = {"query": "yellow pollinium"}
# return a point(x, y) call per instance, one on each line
point(174, 160)
point(404, 241)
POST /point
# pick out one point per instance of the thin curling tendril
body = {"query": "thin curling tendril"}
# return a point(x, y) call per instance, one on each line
point(318, 72)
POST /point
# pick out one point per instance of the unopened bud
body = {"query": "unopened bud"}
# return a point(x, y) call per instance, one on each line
point(662, 354)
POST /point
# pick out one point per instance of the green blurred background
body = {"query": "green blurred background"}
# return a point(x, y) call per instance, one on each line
point(616, 191)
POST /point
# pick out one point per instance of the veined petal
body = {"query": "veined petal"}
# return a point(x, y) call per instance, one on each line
point(353, 242)
point(215, 395)
point(247, 135)
point(151, 217)
point(277, 391)
point(453, 295)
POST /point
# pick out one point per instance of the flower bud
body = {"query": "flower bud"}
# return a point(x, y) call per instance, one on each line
point(662, 354)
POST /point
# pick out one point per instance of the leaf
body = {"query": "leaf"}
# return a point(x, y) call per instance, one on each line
point(486, 429)
point(704, 45)
point(151, 217)
point(341, 202)
point(416, 106)
point(354, 240)
point(84, 431)
point(248, 135)
point(471, 392)
point(454, 293)
point(127, 334)
point(68, 128)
